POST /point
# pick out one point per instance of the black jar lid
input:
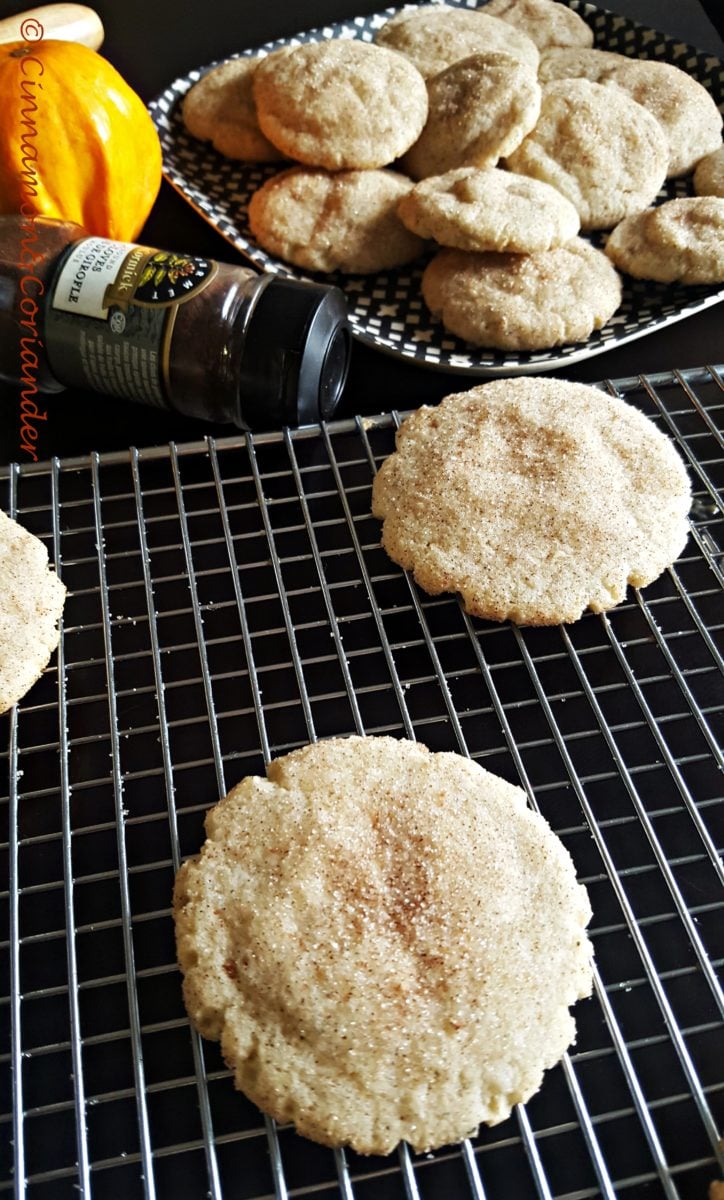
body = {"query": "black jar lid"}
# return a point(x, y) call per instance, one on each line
point(296, 353)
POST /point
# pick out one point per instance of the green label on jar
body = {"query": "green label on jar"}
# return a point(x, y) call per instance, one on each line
point(109, 323)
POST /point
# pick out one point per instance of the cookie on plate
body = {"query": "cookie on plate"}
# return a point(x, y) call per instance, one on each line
point(573, 62)
point(334, 221)
point(598, 147)
point(709, 174)
point(533, 498)
point(489, 210)
point(680, 241)
point(682, 106)
point(385, 941)
point(220, 109)
point(480, 109)
point(31, 604)
point(340, 104)
point(546, 22)
point(523, 301)
point(436, 36)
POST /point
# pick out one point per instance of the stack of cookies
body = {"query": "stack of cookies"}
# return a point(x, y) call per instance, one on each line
point(499, 135)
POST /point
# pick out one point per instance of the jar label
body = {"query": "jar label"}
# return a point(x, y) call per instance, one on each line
point(109, 323)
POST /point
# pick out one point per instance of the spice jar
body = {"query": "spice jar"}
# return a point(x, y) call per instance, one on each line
point(200, 337)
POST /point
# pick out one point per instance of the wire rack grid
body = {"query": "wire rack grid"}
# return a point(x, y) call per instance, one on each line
point(229, 601)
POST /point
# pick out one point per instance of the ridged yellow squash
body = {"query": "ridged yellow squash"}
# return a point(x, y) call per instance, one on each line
point(76, 142)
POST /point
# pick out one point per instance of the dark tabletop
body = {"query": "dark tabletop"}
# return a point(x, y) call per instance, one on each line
point(152, 42)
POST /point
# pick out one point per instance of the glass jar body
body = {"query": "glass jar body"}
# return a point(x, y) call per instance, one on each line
point(29, 249)
point(176, 331)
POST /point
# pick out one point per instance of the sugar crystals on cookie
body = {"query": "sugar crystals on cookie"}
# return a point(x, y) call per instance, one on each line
point(220, 109)
point(340, 104)
point(436, 35)
point(523, 301)
point(534, 499)
point(334, 220)
point(600, 148)
point(31, 603)
point(480, 109)
point(680, 241)
point(489, 210)
point(385, 941)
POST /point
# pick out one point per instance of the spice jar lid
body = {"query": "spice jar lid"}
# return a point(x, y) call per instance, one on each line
point(296, 354)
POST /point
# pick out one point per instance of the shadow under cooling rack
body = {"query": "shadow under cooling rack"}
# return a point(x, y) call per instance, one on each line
point(229, 601)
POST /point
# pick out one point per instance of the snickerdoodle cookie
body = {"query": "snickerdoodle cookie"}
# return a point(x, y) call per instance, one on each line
point(220, 109)
point(533, 498)
point(489, 210)
point(340, 104)
point(598, 147)
point(679, 241)
point(334, 221)
point(523, 301)
point(709, 174)
point(480, 109)
point(385, 941)
point(436, 36)
point(683, 107)
point(573, 62)
point(31, 603)
point(547, 22)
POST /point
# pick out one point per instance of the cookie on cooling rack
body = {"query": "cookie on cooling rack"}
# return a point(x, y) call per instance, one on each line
point(683, 107)
point(220, 109)
point(385, 941)
point(522, 301)
point(435, 36)
point(31, 604)
point(334, 221)
point(546, 22)
point(489, 210)
point(534, 499)
point(598, 147)
point(679, 241)
point(480, 109)
point(340, 104)
point(709, 174)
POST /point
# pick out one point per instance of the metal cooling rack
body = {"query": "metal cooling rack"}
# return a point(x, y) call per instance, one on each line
point(228, 601)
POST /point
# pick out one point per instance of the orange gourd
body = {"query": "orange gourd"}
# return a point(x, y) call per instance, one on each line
point(76, 142)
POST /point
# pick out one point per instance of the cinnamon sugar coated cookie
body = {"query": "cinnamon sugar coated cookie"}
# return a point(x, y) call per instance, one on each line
point(547, 22)
point(385, 941)
point(480, 109)
point(489, 210)
point(340, 104)
point(574, 62)
point(31, 604)
point(220, 109)
point(523, 301)
point(535, 499)
point(684, 109)
point(598, 147)
point(709, 174)
point(334, 221)
point(681, 240)
point(433, 37)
